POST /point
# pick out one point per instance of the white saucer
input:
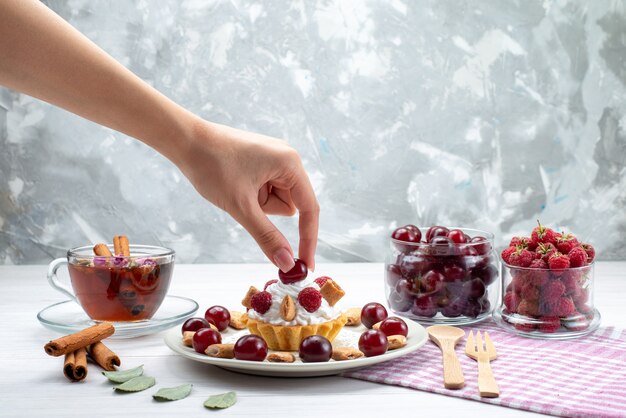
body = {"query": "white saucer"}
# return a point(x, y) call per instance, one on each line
point(348, 336)
point(67, 317)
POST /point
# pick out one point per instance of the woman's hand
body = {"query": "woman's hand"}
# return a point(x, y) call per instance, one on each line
point(251, 176)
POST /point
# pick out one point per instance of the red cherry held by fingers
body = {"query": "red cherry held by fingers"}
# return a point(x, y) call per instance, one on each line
point(296, 274)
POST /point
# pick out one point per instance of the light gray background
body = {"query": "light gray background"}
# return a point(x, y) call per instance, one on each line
point(487, 114)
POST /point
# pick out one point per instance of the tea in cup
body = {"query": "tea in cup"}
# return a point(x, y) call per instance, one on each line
point(117, 288)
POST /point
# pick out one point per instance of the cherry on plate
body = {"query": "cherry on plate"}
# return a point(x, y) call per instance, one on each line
point(372, 313)
point(218, 316)
point(194, 324)
point(315, 349)
point(250, 347)
point(296, 274)
point(373, 342)
point(205, 337)
point(394, 326)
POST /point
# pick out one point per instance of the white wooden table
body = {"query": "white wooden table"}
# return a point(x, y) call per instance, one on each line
point(32, 384)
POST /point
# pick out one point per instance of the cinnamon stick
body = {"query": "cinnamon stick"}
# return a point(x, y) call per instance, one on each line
point(102, 250)
point(102, 355)
point(80, 339)
point(75, 365)
point(121, 245)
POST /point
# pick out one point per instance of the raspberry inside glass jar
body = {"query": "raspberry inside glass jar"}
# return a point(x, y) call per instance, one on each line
point(448, 277)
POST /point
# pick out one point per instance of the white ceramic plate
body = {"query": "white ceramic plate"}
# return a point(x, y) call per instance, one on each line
point(348, 336)
point(67, 317)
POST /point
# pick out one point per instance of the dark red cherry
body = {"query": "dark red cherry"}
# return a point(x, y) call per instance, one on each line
point(218, 316)
point(408, 235)
point(373, 313)
point(425, 306)
point(441, 246)
point(476, 288)
point(194, 324)
point(454, 272)
point(394, 326)
point(250, 347)
point(431, 282)
point(296, 274)
point(457, 236)
point(481, 244)
point(436, 231)
point(205, 337)
point(393, 274)
point(373, 342)
point(454, 308)
point(487, 274)
point(416, 231)
point(315, 349)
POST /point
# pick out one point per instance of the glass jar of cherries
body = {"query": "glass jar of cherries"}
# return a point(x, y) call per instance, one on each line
point(445, 276)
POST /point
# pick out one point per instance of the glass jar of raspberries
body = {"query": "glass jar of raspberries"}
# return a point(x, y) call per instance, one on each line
point(547, 282)
point(442, 275)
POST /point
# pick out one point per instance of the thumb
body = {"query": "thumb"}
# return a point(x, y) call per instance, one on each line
point(271, 241)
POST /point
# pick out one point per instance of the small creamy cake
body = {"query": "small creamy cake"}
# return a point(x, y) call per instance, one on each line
point(291, 309)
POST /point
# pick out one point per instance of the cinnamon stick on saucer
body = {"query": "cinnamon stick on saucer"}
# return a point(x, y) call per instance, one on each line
point(75, 365)
point(79, 339)
point(121, 245)
point(102, 355)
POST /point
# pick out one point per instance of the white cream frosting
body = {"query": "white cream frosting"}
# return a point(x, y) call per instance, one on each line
point(279, 290)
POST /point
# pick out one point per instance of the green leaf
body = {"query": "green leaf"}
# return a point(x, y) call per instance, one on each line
point(136, 384)
point(122, 376)
point(173, 394)
point(221, 401)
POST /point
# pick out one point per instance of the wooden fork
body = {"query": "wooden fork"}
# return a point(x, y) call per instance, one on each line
point(487, 385)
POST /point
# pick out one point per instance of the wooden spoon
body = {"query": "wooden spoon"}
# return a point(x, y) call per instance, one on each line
point(446, 338)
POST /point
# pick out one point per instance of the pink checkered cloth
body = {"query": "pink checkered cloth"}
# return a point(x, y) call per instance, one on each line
point(583, 377)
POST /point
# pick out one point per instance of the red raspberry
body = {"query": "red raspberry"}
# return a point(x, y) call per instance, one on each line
point(572, 280)
point(528, 308)
point(566, 242)
point(545, 250)
point(541, 234)
point(591, 252)
point(552, 291)
point(581, 298)
point(564, 307)
point(310, 299)
point(538, 263)
point(269, 282)
point(321, 281)
point(524, 326)
point(519, 242)
point(506, 254)
point(558, 261)
point(517, 283)
point(511, 300)
point(577, 257)
point(549, 324)
point(530, 292)
point(521, 257)
point(261, 302)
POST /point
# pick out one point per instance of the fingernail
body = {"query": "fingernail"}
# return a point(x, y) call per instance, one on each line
point(284, 260)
